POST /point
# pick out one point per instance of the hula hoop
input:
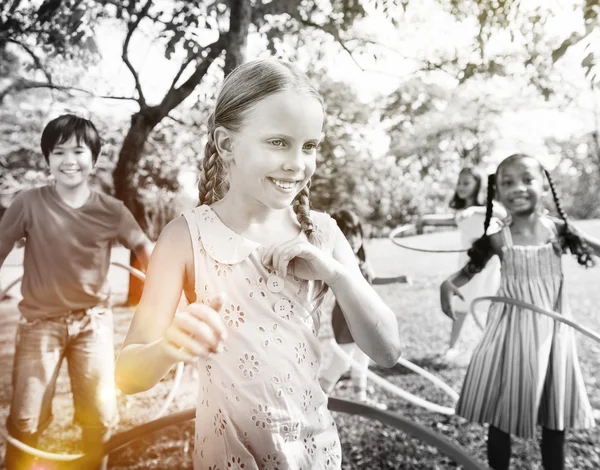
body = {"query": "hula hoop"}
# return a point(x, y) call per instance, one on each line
point(404, 228)
point(395, 420)
point(135, 272)
point(4, 292)
point(555, 316)
point(70, 457)
point(407, 396)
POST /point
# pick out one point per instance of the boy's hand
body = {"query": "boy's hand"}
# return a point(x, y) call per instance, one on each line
point(447, 291)
point(196, 331)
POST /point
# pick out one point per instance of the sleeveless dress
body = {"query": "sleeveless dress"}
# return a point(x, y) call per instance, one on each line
point(487, 281)
point(260, 405)
point(525, 370)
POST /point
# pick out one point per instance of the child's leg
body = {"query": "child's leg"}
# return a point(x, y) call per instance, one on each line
point(39, 353)
point(91, 368)
point(336, 365)
point(498, 448)
point(553, 449)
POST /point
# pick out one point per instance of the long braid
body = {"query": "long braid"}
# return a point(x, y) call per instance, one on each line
point(301, 206)
point(212, 178)
point(570, 239)
point(479, 251)
point(489, 208)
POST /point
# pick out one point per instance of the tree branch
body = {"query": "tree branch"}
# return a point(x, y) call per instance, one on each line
point(36, 59)
point(183, 67)
point(176, 95)
point(333, 31)
point(178, 121)
point(125, 55)
point(24, 84)
point(14, 6)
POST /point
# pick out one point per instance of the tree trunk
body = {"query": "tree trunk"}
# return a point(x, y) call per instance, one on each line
point(239, 23)
point(144, 121)
point(142, 124)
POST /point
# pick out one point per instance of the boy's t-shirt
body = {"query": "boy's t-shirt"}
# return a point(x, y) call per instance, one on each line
point(67, 250)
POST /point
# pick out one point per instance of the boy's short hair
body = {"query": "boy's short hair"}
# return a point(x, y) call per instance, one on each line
point(61, 129)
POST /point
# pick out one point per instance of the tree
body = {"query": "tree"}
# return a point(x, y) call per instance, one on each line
point(44, 35)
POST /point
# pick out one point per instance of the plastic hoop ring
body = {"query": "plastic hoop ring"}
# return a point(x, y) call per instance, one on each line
point(404, 228)
point(70, 457)
point(395, 420)
point(135, 272)
point(407, 396)
point(4, 292)
point(534, 308)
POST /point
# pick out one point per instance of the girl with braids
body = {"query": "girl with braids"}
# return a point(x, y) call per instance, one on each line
point(525, 370)
point(254, 262)
point(469, 203)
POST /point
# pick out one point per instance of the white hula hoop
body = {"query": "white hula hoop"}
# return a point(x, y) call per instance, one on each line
point(70, 457)
point(37, 452)
point(4, 292)
point(135, 272)
point(555, 316)
point(405, 228)
point(407, 396)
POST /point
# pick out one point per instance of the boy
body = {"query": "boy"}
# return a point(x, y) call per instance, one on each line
point(69, 230)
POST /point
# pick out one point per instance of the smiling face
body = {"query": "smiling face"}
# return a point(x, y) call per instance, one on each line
point(520, 185)
point(70, 163)
point(274, 152)
point(467, 187)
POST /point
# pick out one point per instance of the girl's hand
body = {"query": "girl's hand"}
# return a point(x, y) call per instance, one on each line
point(304, 259)
point(447, 292)
point(196, 331)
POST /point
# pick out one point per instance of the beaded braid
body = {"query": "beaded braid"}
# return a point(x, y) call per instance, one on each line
point(212, 179)
point(479, 251)
point(301, 206)
point(570, 239)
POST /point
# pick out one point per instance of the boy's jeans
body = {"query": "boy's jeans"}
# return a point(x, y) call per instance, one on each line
point(85, 339)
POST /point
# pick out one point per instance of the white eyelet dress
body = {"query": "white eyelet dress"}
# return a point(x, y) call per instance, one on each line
point(487, 281)
point(525, 370)
point(260, 405)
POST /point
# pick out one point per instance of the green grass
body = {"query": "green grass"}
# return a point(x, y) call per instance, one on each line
point(424, 331)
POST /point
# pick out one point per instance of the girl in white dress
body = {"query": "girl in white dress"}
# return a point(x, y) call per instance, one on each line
point(255, 263)
point(469, 203)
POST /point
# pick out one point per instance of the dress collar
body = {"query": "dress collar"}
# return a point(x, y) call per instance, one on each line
point(220, 242)
point(228, 247)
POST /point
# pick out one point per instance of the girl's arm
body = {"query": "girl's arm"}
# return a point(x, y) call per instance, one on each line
point(450, 287)
point(497, 211)
point(371, 322)
point(157, 337)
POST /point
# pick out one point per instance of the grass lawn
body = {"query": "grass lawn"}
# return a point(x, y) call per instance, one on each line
point(366, 445)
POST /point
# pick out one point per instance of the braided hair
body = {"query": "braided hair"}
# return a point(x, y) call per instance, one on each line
point(479, 252)
point(213, 175)
point(570, 240)
point(244, 87)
